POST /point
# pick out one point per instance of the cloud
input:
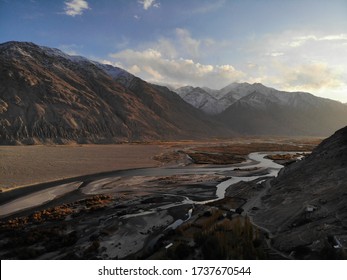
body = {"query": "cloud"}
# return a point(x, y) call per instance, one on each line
point(75, 7)
point(317, 66)
point(251, 65)
point(338, 37)
point(152, 66)
point(135, 69)
point(190, 44)
point(293, 46)
point(274, 54)
point(149, 3)
point(177, 60)
point(182, 44)
point(301, 40)
point(312, 77)
point(298, 60)
point(166, 47)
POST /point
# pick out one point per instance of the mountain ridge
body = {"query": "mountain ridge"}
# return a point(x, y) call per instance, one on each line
point(202, 100)
point(277, 112)
point(255, 109)
point(48, 96)
point(240, 90)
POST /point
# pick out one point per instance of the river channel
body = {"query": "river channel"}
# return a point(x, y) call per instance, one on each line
point(255, 160)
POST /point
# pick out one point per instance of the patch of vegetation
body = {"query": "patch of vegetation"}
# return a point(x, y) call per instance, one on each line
point(230, 240)
point(215, 158)
point(237, 152)
point(57, 213)
point(47, 230)
point(215, 235)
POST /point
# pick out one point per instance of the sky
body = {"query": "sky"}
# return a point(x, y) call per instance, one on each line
point(292, 45)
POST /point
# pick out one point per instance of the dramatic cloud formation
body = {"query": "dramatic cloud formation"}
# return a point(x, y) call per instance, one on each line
point(281, 44)
point(273, 61)
point(149, 3)
point(75, 7)
point(309, 77)
point(295, 61)
point(153, 66)
point(176, 61)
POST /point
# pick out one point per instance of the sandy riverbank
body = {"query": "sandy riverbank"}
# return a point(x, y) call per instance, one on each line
point(27, 165)
point(103, 220)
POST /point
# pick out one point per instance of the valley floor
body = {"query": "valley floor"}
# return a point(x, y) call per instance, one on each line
point(137, 213)
point(28, 165)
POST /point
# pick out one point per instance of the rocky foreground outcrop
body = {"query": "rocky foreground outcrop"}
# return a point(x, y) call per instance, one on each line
point(47, 96)
point(306, 207)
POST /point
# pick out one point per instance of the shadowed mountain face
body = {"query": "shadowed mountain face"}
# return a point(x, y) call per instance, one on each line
point(254, 109)
point(270, 112)
point(48, 96)
point(206, 101)
point(307, 204)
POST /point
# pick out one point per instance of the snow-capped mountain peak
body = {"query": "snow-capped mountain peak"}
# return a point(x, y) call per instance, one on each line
point(29, 50)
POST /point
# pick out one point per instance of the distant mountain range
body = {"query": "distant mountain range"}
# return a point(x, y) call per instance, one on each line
point(306, 206)
point(260, 110)
point(213, 101)
point(208, 100)
point(47, 96)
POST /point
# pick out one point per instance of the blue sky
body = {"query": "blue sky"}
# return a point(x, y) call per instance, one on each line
point(294, 45)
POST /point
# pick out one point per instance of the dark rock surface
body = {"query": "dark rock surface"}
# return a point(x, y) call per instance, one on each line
point(306, 207)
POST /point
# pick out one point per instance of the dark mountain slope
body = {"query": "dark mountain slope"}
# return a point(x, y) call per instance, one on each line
point(203, 100)
point(282, 113)
point(254, 109)
point(306, 207)
point(48, 96)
